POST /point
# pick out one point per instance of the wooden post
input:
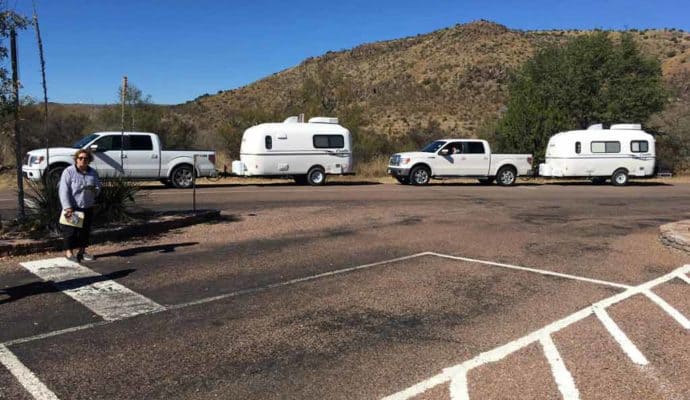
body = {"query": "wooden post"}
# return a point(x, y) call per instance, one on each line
point(122, 135)
point(17, 135)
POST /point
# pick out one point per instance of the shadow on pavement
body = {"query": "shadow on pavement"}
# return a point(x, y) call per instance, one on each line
point(35, 288)
point(279, 184)
point(161, 248)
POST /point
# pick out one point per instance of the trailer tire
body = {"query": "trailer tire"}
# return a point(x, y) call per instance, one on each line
point(182, 176)
point(316, 176)
point(506, 176)
point(420, 175)
point(486, 181)
point(620, 177)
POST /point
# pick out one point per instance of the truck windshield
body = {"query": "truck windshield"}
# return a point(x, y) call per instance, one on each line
point(433, 146)
point(83, 141)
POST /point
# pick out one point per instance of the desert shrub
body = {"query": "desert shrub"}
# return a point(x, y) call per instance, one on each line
point(114, 203)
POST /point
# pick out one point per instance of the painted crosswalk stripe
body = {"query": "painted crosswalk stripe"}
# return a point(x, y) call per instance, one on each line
point(107, 298)
point(24, 375)
point(626, 344)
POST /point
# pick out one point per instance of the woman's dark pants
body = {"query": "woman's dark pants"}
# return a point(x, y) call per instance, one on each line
point(77, 238)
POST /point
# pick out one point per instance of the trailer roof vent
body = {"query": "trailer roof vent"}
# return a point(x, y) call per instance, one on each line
point(291, 120)
point(323, 120)
point(595, 126)
point(627, 126)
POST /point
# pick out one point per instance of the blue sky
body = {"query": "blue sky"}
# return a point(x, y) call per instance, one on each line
point(176, 50)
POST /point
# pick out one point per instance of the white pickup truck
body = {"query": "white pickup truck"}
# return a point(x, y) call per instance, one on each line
point(141, 158)
point(456, 158)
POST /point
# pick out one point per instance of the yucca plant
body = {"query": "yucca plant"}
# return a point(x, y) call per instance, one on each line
point(114, 203)
point(43, 207)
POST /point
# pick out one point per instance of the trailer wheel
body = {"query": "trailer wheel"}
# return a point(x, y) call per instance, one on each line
point(620, 177)
point(403, 180)
point(316, 176)
point(486, 181)
point(420, 175)
point(182, 177)
point(506, 176)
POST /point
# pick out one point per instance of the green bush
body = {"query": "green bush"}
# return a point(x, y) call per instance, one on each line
point(114, 203)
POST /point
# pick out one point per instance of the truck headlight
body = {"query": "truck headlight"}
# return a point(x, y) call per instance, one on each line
point(35, 159)
point(404, 161)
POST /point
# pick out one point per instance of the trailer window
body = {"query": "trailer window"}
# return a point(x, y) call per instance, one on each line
point(329, 141)
point(605, 147)
point(639, 146)
point(269, 143)
point(578, 147)
point(473, 148)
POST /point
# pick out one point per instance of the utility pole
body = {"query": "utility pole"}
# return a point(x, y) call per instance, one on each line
point(122, 135)
point(17, 136)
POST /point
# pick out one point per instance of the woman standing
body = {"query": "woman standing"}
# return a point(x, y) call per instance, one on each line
point(79, 186)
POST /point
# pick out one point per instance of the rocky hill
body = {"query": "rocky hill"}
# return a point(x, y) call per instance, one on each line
point(455, 78)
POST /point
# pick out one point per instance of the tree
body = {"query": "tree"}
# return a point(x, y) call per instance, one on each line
point(592, 79)
point(8, 21)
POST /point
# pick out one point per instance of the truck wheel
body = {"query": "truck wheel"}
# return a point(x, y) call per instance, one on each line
point(403, 180)
point(506, 176)
point(620, 177)
point(182, 177)
point(54, 174)
point(420, 175)
point(316, 176)
point(486, 181)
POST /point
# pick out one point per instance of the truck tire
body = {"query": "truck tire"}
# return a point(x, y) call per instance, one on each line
point(403, 180)
point(486, 181)
point(619, 178)
point(316, 176)
point(182, 177)
point(54, 174)
point(420, 176)
point(506, 176)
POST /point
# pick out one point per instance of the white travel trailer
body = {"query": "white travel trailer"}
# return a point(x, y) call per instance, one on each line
point(306, 152)
point(622, 151)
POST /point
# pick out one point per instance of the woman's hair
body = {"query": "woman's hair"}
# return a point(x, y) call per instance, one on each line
point(83, 151)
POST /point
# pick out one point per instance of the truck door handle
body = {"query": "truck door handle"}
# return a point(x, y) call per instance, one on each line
point(124, 156)
point(154, 155)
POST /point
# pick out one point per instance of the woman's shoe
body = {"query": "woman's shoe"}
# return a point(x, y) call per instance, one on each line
point(87, 257)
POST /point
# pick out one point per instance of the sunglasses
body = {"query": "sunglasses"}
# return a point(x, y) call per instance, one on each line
point(82, 158)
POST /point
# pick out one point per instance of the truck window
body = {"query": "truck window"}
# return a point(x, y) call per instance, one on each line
point(433, 146)
point(138, 142)
point(605, 147)
point(578, 147)
point(269, 142)
point(473, 148)
point(110, 142)
point(329, 141)
point(639, 146)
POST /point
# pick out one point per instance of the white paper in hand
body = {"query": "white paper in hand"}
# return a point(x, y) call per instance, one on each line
point(76, 220)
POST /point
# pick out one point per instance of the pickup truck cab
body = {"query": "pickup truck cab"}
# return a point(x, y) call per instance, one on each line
point(455, 158)
point(141, 158)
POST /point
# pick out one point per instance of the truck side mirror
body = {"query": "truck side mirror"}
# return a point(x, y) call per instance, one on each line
point(93, 147)
point(443, 152)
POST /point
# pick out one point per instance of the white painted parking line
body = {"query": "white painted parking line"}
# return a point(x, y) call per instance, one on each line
point(684, 278)
point(106, 298)
point(675, 314)
point(503, 351)
point(538, 271)
point(626, 344)
point(564, 380)
point(458, 385)
point(26, 378)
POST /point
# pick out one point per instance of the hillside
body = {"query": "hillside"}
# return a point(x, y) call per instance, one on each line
point(456, 77)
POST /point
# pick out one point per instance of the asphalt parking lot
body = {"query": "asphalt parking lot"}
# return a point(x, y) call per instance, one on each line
point(365, 291)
